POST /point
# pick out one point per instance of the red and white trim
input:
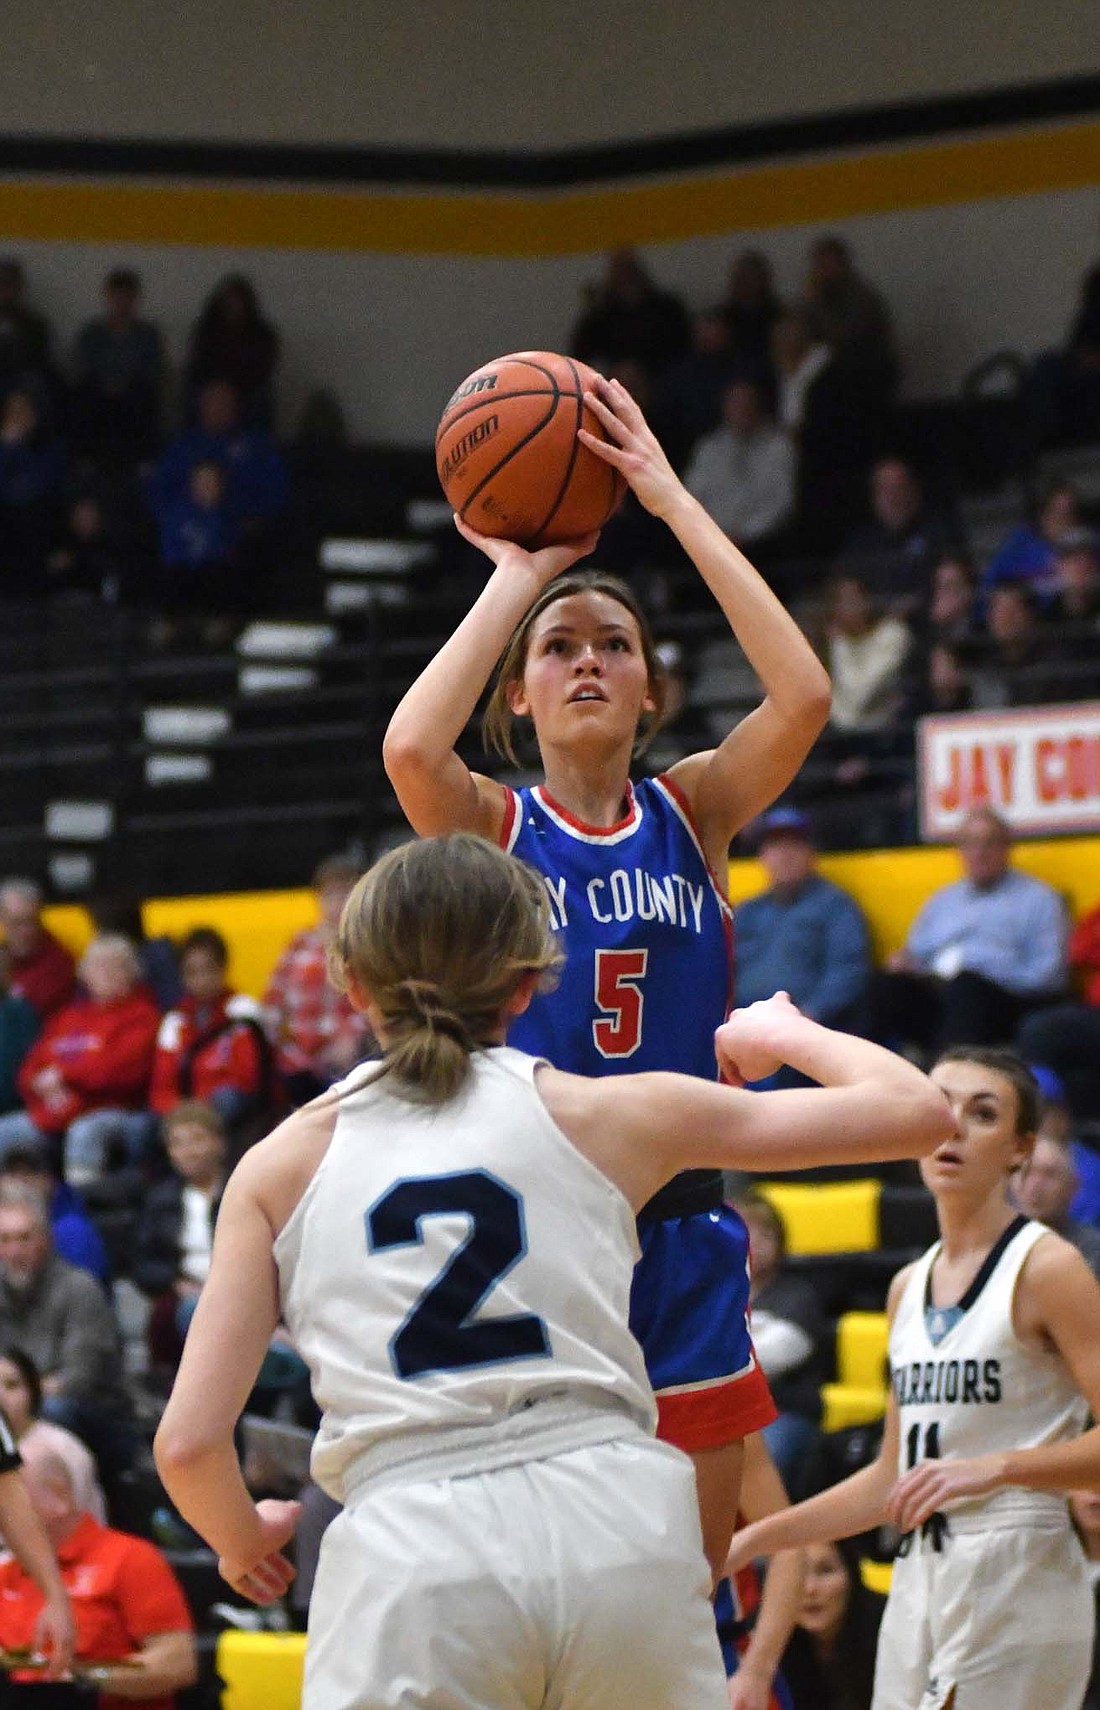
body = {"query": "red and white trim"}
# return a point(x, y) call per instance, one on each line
point(576, 828)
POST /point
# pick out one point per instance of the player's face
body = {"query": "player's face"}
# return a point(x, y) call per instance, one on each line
point(825, 1591)
point(985, 1147)
point(585, 670)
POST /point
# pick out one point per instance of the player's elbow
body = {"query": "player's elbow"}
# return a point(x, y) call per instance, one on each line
point(815, 694)
point(402, 751)
point(178, 1448)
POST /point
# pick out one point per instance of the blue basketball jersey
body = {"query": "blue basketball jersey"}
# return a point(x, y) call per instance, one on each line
point(646, 934)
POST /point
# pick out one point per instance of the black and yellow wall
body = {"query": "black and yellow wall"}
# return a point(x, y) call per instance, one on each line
point(414, 192)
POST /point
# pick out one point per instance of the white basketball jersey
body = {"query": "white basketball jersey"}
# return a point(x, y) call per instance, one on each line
point(966, 1385)
point(451, 1267)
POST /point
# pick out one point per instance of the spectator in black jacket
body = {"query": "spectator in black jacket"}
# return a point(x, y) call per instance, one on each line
point(175, 1232)
point(628, 316)
point(788, 1333)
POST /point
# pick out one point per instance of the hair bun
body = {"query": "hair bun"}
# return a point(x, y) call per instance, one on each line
point(424, 1001)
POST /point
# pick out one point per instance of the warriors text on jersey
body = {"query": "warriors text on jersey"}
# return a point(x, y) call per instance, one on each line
point(449, 1269)
point(646, 933)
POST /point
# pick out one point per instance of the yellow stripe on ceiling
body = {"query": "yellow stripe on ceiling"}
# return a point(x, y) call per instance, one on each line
point(456, 222)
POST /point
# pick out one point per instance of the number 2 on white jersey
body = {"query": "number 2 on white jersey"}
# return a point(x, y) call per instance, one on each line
point(619, 994)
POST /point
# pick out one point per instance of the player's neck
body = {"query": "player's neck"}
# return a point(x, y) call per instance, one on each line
point(592, 787)
point(969, 1227)
point(594, 792)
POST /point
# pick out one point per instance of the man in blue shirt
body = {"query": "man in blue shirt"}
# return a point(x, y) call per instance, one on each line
point(981, 953)
point(803, 935)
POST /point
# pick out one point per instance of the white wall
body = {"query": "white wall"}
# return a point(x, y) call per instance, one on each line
point(392, 335)
point(503, 73)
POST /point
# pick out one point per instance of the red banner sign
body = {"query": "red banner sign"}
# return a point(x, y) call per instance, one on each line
point(1039, 767)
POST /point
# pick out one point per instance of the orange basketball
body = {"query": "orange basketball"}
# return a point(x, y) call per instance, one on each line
point(508, 455)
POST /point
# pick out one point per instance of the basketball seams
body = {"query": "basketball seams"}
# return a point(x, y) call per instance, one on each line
point(487, 399)
point(532, 433)
point(554, 466)
point(571, 461)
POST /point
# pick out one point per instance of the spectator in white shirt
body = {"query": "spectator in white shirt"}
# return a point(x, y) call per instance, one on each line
point(866, 658)
point(744, 472)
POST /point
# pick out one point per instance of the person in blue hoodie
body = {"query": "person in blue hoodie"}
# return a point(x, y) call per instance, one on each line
point(75, 1237)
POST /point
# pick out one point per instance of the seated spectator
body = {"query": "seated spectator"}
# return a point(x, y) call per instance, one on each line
point(256, 484)
point(628, 316)
point(1028, 554)
point(897, 549)
point(835, 441)
point(85, 1080)
point(24, 333)
point(1066, 383)
point(318, 1035)
point(21, 1403)
point(76, 1238)
point(750, 309)
point(118, 372)
point(175, 1232)
point(119, 910)
point(1012, 665)
point(42, 969)
point(18, 1028)
point(1076, 599)
point(687, 398)
point(951, 616)
point(744, 472)
point(866, 656)
point(788, 1333)
point(803, 935)
point(1046, 1187)
point(61, 1318)
point(212, 1046)
point(86, 560)
point(946, 687)
point(852, 318)
point(830, 1661)
point(232, 341)
point(32, 464)
point(1065, 1037)
point(128, 1605)
point(200, 562)
point(981, 953)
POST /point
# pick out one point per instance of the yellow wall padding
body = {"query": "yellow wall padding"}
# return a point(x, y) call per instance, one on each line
point(844, 1404)
point(876, 1576)
point(827, 1217)
point(261, 1671)
point(861, 1348)
point(889, 884)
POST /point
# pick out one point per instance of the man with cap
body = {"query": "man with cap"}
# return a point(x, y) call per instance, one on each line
point(803, 935)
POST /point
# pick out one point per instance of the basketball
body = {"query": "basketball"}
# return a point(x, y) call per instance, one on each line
point(508, 455)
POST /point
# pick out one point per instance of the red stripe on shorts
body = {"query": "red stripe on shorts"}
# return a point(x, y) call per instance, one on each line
point(722, 1412)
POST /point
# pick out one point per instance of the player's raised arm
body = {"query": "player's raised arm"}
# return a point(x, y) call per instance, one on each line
point(729, 785)
point(435, 787)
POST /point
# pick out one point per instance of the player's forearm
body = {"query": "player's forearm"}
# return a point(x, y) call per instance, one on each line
point(779, 1606)
point(843, 1060)
point(437, 708)
point(1059, 1467)
point(206, 1486)
point(793, 677)
point(855, 1505)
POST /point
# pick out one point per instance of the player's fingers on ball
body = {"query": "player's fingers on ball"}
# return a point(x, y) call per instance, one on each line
point(603, 449)
point(612, 422)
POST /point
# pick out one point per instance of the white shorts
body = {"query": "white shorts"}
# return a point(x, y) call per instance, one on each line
point(1003, 1619)
point(576, 1581)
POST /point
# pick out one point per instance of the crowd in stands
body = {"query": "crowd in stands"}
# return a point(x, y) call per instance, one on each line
point(132, 1080)
point(103, 495)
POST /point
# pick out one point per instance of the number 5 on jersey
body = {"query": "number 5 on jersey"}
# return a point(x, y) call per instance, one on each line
point(619, 994)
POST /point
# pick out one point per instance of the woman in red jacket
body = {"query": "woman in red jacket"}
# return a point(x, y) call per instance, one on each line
point(85, 1081)
point(211, 1045)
